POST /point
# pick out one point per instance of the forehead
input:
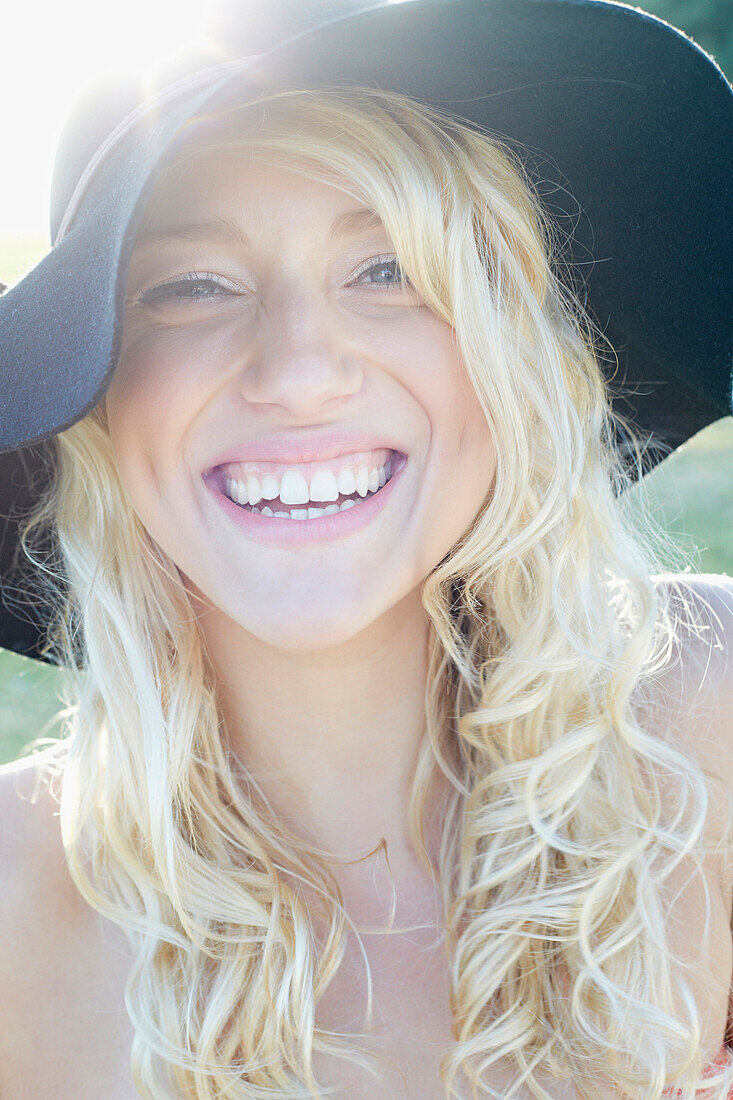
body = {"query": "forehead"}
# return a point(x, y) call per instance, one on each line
point(230, 182)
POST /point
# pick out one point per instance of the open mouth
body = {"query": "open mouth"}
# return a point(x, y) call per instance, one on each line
point(277, 509)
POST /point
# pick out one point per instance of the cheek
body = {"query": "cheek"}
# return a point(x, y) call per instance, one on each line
point(144, 406)
point(426, 361)
point(460, 430)
point(163, 376)
point(477, 439)
point(476, 453)
point(477, 460)
point(151, 369)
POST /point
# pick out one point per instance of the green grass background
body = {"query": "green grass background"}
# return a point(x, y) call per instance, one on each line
point(19, 252)
point(690, 495)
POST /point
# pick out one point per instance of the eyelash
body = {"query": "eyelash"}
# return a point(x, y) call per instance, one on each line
point(164, 291)
point(382, 261)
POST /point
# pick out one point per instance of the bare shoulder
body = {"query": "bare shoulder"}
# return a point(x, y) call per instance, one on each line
point(32, 860)
point(700, 671)
point(30, 838)
point(62, 968)
point(36, 889)
point(693, 693)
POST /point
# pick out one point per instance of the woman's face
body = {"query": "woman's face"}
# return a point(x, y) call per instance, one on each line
point(268, 346)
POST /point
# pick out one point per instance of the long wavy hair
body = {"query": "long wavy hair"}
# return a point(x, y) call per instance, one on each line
point(545, 623)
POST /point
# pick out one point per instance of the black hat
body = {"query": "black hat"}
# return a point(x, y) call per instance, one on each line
point(625, 124)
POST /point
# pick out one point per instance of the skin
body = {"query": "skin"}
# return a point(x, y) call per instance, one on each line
point(320, 649)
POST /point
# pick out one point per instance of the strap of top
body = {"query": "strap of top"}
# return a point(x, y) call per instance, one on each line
point(724, 1059)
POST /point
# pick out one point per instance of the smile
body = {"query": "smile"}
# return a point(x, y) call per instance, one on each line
point(278, 515)
point(278, 494)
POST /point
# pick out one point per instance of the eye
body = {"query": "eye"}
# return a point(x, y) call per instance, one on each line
point(194, 286)
point(387, 272)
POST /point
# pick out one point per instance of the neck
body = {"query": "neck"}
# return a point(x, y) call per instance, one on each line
point(331, 736)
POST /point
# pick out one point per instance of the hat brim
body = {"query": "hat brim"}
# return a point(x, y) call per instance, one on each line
point(623, 121)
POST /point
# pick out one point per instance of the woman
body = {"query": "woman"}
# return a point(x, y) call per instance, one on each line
point(391, 763)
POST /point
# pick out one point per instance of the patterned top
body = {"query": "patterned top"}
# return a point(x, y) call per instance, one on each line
point(723, 1059)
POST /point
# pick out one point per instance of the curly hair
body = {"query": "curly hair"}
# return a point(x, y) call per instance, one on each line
point(545, 623)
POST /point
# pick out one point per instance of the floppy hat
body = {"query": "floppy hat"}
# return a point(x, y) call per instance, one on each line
point(623, 121)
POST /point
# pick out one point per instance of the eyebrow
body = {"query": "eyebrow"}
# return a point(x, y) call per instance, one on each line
point(229, 230)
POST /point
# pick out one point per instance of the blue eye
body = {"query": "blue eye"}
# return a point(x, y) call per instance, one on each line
point(194, 286)
point(204, 286)
point(385, 266)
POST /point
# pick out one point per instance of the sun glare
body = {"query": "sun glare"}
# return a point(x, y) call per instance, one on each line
point(46, 60)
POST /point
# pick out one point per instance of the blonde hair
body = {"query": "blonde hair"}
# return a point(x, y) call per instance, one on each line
point(544, 620)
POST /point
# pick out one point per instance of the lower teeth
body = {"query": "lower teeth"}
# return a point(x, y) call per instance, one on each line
point(306, 513)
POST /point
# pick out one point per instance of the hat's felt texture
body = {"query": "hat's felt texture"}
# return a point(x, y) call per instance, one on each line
point(624, 123)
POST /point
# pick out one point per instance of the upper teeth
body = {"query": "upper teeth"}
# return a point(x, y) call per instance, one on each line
point(292, 487)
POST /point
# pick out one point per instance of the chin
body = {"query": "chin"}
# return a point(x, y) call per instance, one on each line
point(319, 614)
point(303, 634)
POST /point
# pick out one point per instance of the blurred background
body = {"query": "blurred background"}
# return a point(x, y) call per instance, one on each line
point(48, 54)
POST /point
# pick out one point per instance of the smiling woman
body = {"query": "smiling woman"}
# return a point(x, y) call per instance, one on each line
point(318, 335)
point(341, 561)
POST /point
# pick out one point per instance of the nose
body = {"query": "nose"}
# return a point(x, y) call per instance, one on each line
point(302, 356)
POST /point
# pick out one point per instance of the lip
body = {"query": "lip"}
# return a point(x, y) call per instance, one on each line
point(304, 447)
point(269, 530)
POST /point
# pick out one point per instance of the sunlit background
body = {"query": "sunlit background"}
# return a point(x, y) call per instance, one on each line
point(47, 55)
point(50, 51)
